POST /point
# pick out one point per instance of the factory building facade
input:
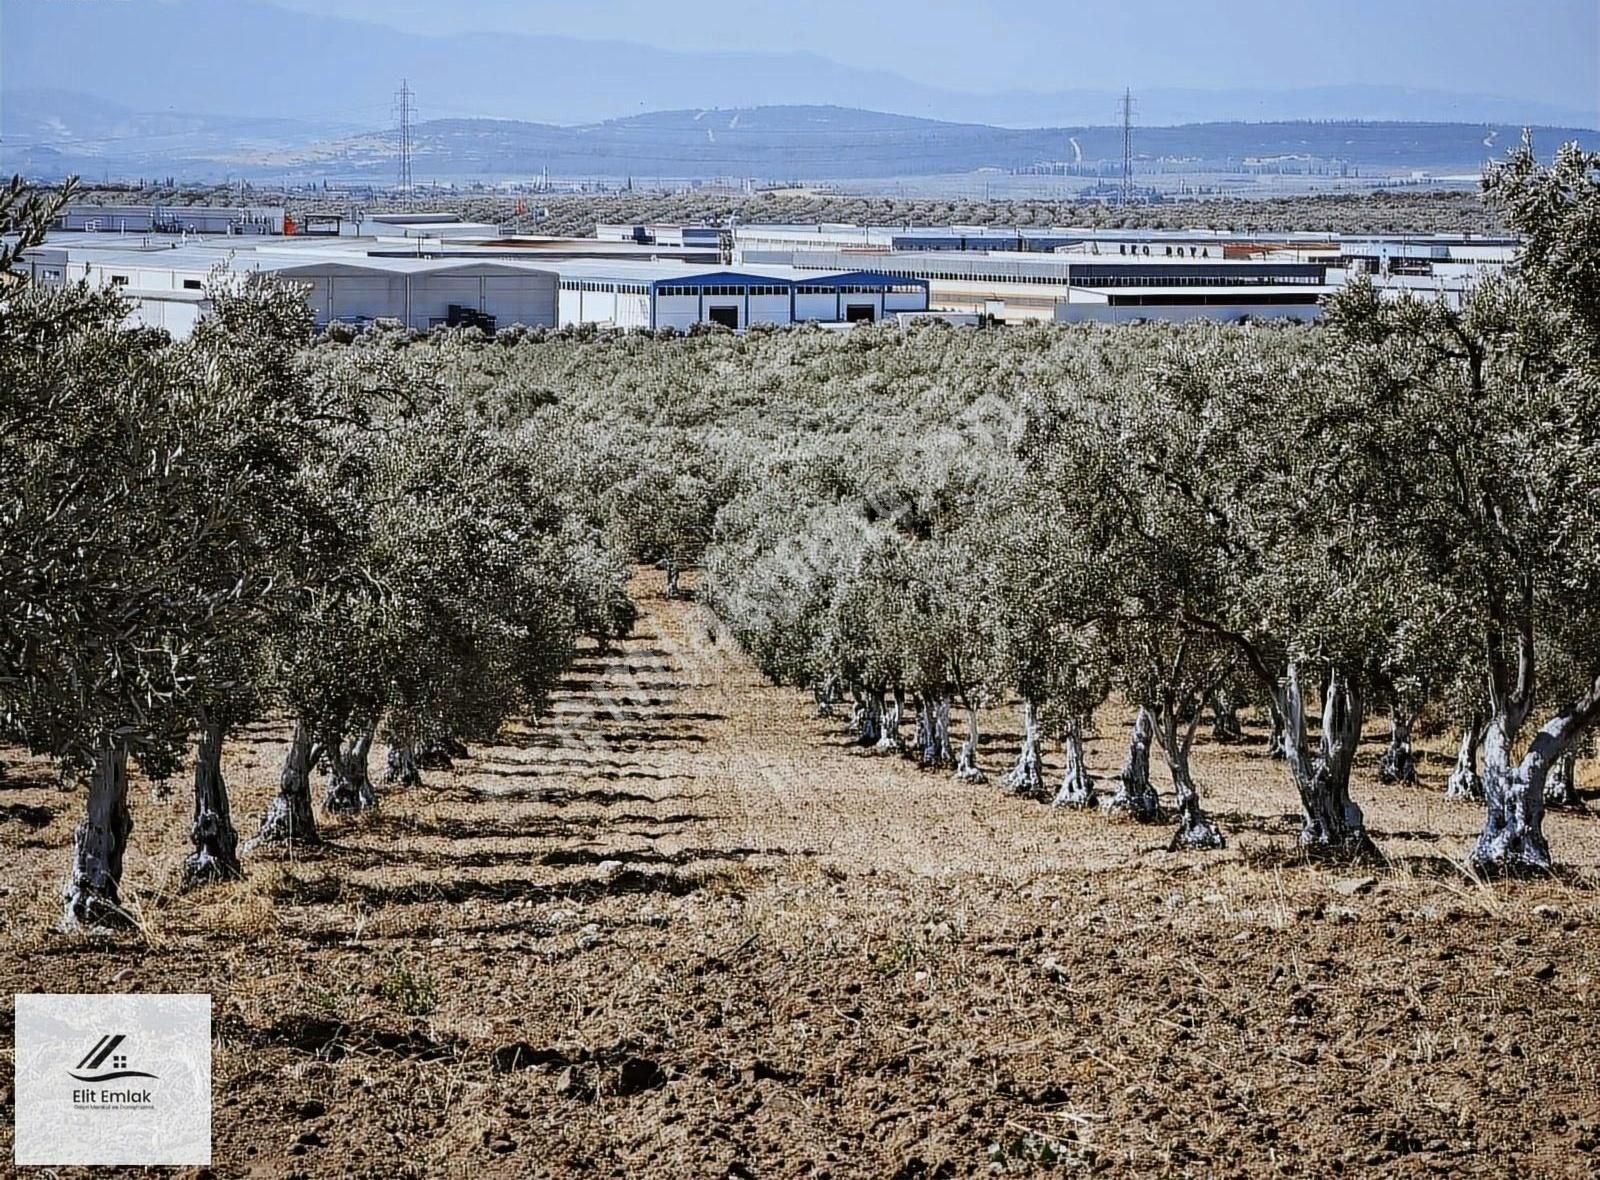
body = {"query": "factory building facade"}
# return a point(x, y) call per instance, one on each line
point(428, 269)
point(166, 287)
point(1068, 286)
point(673, 295)
point(171, 219)
point(357, 281)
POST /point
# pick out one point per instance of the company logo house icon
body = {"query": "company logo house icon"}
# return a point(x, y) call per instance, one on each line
point(113, 1080)
point(96, 1058)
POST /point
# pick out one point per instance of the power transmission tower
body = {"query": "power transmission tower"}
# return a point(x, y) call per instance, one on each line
point(404, 109)
point(1127, 148)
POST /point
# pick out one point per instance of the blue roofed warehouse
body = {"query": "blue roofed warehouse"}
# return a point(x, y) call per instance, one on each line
point(638, 294)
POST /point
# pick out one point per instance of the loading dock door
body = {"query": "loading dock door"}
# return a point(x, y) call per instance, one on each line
point(859, 313)
point(728, 317)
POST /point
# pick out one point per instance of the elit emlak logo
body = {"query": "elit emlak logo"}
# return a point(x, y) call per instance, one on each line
point(111, 1079)
point(97, 1059)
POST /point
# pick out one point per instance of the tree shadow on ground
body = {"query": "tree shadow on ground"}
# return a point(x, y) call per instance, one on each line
point(567, 796)
point(32, 816)
point(332, 1040)
point(329, 890)
point(652, 856)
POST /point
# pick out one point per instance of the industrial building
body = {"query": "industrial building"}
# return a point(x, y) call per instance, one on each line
point(425, 269)
point(705, 237)
point(170, 219)
point(835, 236)
point(674, 295)
point(1067, 286)
point(167, 285)
point(424, 282)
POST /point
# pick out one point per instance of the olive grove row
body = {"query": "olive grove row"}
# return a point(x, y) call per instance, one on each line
point(577, 214)
point(1396, 510)
point(195, 534)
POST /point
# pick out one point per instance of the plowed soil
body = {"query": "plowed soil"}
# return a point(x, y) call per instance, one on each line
point(681, 927)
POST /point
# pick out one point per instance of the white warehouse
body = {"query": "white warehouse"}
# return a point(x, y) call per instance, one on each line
point(167, 286)
point(630, 294)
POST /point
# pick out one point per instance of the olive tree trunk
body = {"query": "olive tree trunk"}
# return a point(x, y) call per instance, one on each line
point(400, 766)
point(1195, 828)
point(1077, 789)
point(1398, 764)
point(1333, 824)
point(92, 893)
point(933, 732)
point(1513, 840)
point(216, 844)
point(1225, 726)
point(824, 695)
point(439, 753)
point(1135, 796)
point(288, 820)
point(1277, 736)
point(967, 768)
point(1464, 782)
point(349, 785)
point(1027, 776)
point(1561, 788)
point(870, 719)
point(889, 740)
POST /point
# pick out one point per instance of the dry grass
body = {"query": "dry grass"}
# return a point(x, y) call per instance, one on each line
point(680, 927)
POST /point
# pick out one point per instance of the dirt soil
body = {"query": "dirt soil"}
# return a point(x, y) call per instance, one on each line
point(681, 928)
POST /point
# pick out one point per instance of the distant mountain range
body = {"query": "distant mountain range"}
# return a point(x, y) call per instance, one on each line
point(51, 133)
point(250, 58)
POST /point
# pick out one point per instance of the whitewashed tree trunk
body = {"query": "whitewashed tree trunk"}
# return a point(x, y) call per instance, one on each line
point(889, 740)
point(1513, 839)
point(1334, 824)
point(350, 787)
point(216, 843)
point(1077, 789)
point(1027, 776)
point(1398, 764)
point(858, 714)
point(1561, 788)
point(1464, 782)
point(1277, 736)
point(92, 893)
point(933, 732)
point(289, 819)
point(1195, 828)
point(967, 768)
point(401, 767)
point(1135, 796)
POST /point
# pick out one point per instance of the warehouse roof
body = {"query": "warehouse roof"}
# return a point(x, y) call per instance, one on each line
point(203, 258)
point(653, 272)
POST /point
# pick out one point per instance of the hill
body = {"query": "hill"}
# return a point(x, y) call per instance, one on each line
point(252, 58)
point(810, 142)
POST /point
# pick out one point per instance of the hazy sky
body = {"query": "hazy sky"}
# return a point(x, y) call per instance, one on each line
point(1544, 50)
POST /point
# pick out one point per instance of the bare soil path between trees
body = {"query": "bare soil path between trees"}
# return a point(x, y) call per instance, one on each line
point(680, 927)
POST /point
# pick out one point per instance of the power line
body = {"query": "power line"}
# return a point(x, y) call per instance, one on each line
point(1127, 148)
point(403, 107)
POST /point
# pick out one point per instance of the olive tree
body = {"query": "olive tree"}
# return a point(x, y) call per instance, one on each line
point(128, 577)
point(1496, 428)
point(1246, 457)
point(253, 417)
point(25, 217)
